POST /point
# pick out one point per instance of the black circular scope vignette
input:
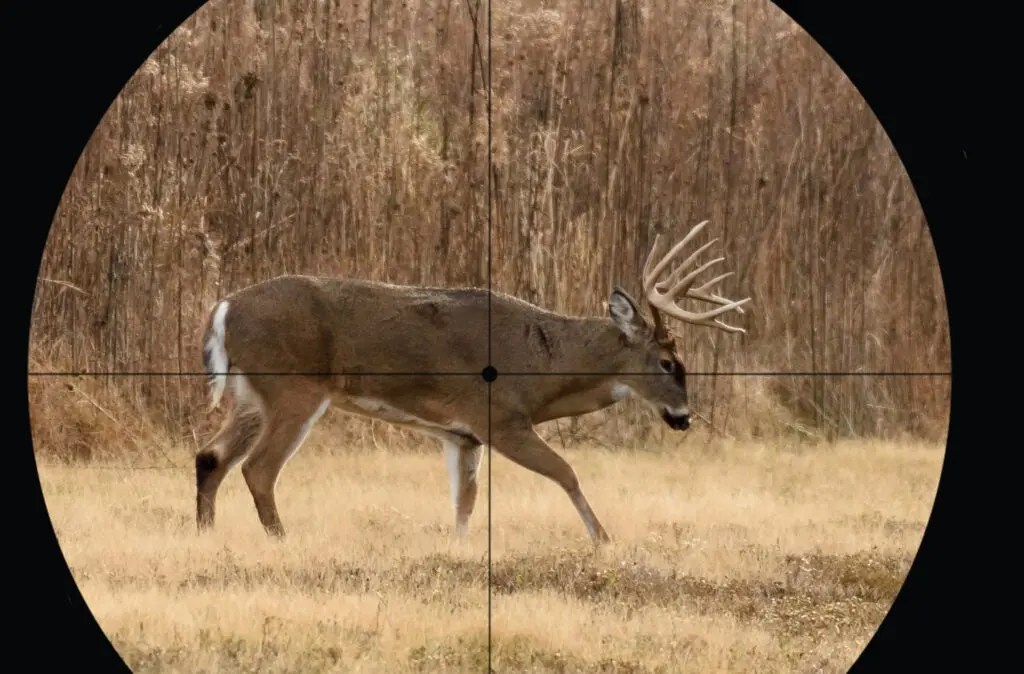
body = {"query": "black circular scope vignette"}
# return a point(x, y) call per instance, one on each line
point(67, 63)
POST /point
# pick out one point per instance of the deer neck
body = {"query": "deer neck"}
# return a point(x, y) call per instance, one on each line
point(572, 396)
point(581, 344)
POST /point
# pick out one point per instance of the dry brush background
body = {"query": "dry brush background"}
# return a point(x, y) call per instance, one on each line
point(350, 138)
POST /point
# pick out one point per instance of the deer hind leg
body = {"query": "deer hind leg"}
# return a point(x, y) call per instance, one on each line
point(527, 449)
point(229, 446)
point(286, 430)
point(463, 458)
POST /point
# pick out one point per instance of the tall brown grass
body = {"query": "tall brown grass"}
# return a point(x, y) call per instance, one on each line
point(350, 139)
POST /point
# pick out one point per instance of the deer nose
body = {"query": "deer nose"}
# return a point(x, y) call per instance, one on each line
point(678, 419)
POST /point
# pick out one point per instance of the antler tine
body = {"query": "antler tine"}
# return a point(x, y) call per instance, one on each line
point(670, 309)
point(650, 276)
point(701, 292)
point(683, 287)
point(650, 259)
point(687, 263)
point(662, 296)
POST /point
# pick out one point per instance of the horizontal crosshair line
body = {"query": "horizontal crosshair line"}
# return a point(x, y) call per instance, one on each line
point(726, 373)
point(255, 374)
point(500, 374)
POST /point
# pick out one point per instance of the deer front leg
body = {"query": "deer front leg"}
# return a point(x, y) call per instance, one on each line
point(526, 448)
point(463, 459)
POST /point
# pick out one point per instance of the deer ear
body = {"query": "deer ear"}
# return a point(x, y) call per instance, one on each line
point(625, 313)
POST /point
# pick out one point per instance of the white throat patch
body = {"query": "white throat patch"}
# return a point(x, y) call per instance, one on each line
point(621, 392)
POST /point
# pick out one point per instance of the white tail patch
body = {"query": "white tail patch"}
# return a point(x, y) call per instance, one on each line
point(217, 361)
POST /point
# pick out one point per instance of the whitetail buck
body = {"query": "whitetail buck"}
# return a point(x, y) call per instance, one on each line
point(295, 344)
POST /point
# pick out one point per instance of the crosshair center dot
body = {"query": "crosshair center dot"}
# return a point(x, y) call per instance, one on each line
point(489, 374)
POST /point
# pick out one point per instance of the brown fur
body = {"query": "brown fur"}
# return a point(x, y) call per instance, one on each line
point(297, 341)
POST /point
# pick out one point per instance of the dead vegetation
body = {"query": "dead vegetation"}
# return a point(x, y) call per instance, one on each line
point(351, 139)
point(712, 567)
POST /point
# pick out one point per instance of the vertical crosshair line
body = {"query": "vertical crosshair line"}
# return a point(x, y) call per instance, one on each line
point(489, 179)
point(489, 565)
point(489, 383)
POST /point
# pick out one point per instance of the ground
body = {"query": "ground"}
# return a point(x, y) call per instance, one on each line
point(737, 557)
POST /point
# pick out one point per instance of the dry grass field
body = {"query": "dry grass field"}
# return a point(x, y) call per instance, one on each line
point(728, 556)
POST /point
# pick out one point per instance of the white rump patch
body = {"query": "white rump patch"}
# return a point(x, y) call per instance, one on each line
point(218, 354)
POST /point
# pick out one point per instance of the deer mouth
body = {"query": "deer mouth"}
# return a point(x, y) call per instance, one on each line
point(676, 421)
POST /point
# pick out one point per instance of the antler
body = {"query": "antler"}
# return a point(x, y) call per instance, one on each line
point(665, 301)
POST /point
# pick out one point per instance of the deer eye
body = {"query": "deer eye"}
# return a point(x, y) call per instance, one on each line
point(666, 365)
